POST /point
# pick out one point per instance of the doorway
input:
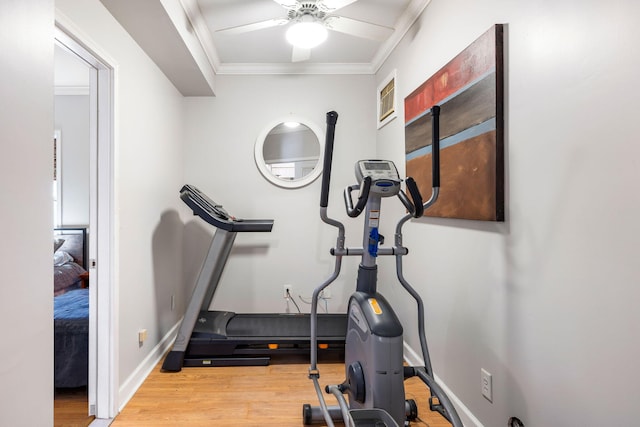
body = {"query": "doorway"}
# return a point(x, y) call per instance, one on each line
point(102, 371)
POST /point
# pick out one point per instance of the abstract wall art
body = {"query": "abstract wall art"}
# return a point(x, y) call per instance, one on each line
point(470, 92)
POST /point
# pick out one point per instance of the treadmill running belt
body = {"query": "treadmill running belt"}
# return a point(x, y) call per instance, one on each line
point(285, 325)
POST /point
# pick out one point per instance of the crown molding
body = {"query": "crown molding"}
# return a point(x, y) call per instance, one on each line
point(293, 68)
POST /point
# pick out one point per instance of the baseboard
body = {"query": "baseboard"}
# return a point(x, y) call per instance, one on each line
point(466, 416)
point(135, 380)
point(101, 422)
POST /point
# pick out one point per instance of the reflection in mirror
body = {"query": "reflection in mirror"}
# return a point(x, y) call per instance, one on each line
point(291, 151)
point(288, 154)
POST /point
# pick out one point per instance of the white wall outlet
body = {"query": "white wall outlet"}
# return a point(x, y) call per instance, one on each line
point(486, 384)
point(287, 292)
point(142, 336)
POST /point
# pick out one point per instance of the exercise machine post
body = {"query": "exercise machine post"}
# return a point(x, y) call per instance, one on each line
point(374, 371)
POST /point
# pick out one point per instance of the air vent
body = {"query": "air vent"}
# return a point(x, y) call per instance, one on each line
point(387, 106)
point(387, 101)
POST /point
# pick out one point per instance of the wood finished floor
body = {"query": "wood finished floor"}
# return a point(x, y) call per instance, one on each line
point(70, 408)
point(242, 396)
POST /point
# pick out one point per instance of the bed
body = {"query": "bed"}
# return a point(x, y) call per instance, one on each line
point(71, 307)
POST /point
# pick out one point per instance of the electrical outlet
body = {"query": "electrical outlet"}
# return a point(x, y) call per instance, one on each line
point(486, 384)
point(287, 291)
point(142, 336)
point(173, 302)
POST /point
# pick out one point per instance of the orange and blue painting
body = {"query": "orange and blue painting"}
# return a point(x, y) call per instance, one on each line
point(470, 92)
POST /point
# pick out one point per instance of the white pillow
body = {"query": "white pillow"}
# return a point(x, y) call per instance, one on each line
point(61, 258)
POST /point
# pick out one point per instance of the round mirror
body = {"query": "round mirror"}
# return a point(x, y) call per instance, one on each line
point(288, 152)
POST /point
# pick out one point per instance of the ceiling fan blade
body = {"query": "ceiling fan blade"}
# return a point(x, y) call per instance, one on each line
point(300, 54)
point(333, 5)
point(287, 4)
point(253, 27)
point(357, 28)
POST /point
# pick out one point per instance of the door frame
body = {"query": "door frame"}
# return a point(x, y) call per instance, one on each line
point(103, 327)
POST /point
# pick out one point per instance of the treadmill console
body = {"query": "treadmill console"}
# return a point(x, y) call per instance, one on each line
point(216, 215)
point(385, 179)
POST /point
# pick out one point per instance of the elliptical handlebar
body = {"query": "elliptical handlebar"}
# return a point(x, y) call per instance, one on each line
point(352, 211)
point(412, 187)
point(444, 405)
point(435, 146)
point(416, 197)
point(332, 119)
point(314, 373)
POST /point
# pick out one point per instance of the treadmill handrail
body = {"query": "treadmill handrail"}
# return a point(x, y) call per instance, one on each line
point(215, 215)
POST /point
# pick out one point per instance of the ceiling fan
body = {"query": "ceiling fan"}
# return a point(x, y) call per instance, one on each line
point(309, 21)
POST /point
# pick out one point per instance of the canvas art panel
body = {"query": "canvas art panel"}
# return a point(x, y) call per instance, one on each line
point(469, 90)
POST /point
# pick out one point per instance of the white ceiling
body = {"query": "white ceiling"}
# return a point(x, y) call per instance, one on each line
point(155, 26)
point(269, 45)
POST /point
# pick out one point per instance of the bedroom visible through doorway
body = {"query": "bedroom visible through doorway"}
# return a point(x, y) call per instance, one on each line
point(71, 219)
point(86, 201)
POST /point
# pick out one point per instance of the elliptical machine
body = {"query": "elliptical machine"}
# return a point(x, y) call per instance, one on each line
point(374, 367)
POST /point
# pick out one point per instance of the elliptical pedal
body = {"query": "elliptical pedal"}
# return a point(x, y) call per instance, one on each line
point(372, 418)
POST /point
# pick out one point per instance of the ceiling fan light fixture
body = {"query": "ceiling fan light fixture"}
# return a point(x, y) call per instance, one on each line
point(306, 33)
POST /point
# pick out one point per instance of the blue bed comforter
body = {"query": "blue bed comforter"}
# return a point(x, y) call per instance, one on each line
point(71, 338)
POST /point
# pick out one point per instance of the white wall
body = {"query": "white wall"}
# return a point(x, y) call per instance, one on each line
point(148, 169)
point(72, 119)
point(547, 301)
point(221, 133)
point(26, 118)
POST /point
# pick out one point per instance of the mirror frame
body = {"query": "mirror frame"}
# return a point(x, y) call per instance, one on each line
point(261, 163)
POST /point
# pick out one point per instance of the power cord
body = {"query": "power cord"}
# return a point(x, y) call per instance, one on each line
point(326, 302)
point(290, 298)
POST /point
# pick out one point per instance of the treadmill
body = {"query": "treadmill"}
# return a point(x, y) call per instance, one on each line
point(224, 338)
